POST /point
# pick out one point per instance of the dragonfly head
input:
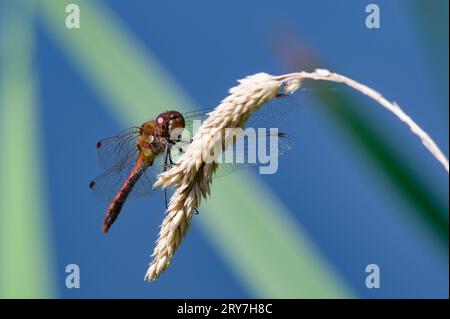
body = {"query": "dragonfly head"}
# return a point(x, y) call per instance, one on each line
point(168, 122)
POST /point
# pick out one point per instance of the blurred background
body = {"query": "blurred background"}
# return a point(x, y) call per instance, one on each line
point(358, 188)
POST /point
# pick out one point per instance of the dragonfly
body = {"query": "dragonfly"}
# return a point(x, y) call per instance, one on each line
point(133, 159)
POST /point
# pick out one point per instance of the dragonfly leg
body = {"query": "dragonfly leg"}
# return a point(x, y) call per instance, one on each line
point(166, 157)
point(165, 198)
point(170, 158)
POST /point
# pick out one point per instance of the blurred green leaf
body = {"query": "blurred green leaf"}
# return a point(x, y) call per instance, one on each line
point(25, 263)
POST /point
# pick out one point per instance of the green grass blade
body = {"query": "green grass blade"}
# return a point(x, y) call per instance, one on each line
point(25, 264)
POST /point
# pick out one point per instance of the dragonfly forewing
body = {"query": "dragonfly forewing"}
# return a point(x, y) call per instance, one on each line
point(113, 150)
point(108, 184)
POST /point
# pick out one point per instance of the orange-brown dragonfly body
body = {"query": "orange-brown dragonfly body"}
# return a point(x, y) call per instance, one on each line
point(151, 141)
point(133, 159)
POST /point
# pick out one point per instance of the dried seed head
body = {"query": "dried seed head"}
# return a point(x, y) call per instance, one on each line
point(192, 176)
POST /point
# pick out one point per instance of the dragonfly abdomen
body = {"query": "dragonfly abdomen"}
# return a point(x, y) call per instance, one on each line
point(116, 205)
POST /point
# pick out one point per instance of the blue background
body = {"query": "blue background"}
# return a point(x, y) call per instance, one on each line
point(332, 188)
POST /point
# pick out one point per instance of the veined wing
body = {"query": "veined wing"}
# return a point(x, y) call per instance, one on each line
point(270, 114)
point(107, 185)
point(115, 149)
point(250, 150)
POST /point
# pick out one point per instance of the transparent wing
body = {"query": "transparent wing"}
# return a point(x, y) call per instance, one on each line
point(107, 185)
point(144, 185)
point(246, 153)
point(112, 150)
point(270, 114)
point(257, 150)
